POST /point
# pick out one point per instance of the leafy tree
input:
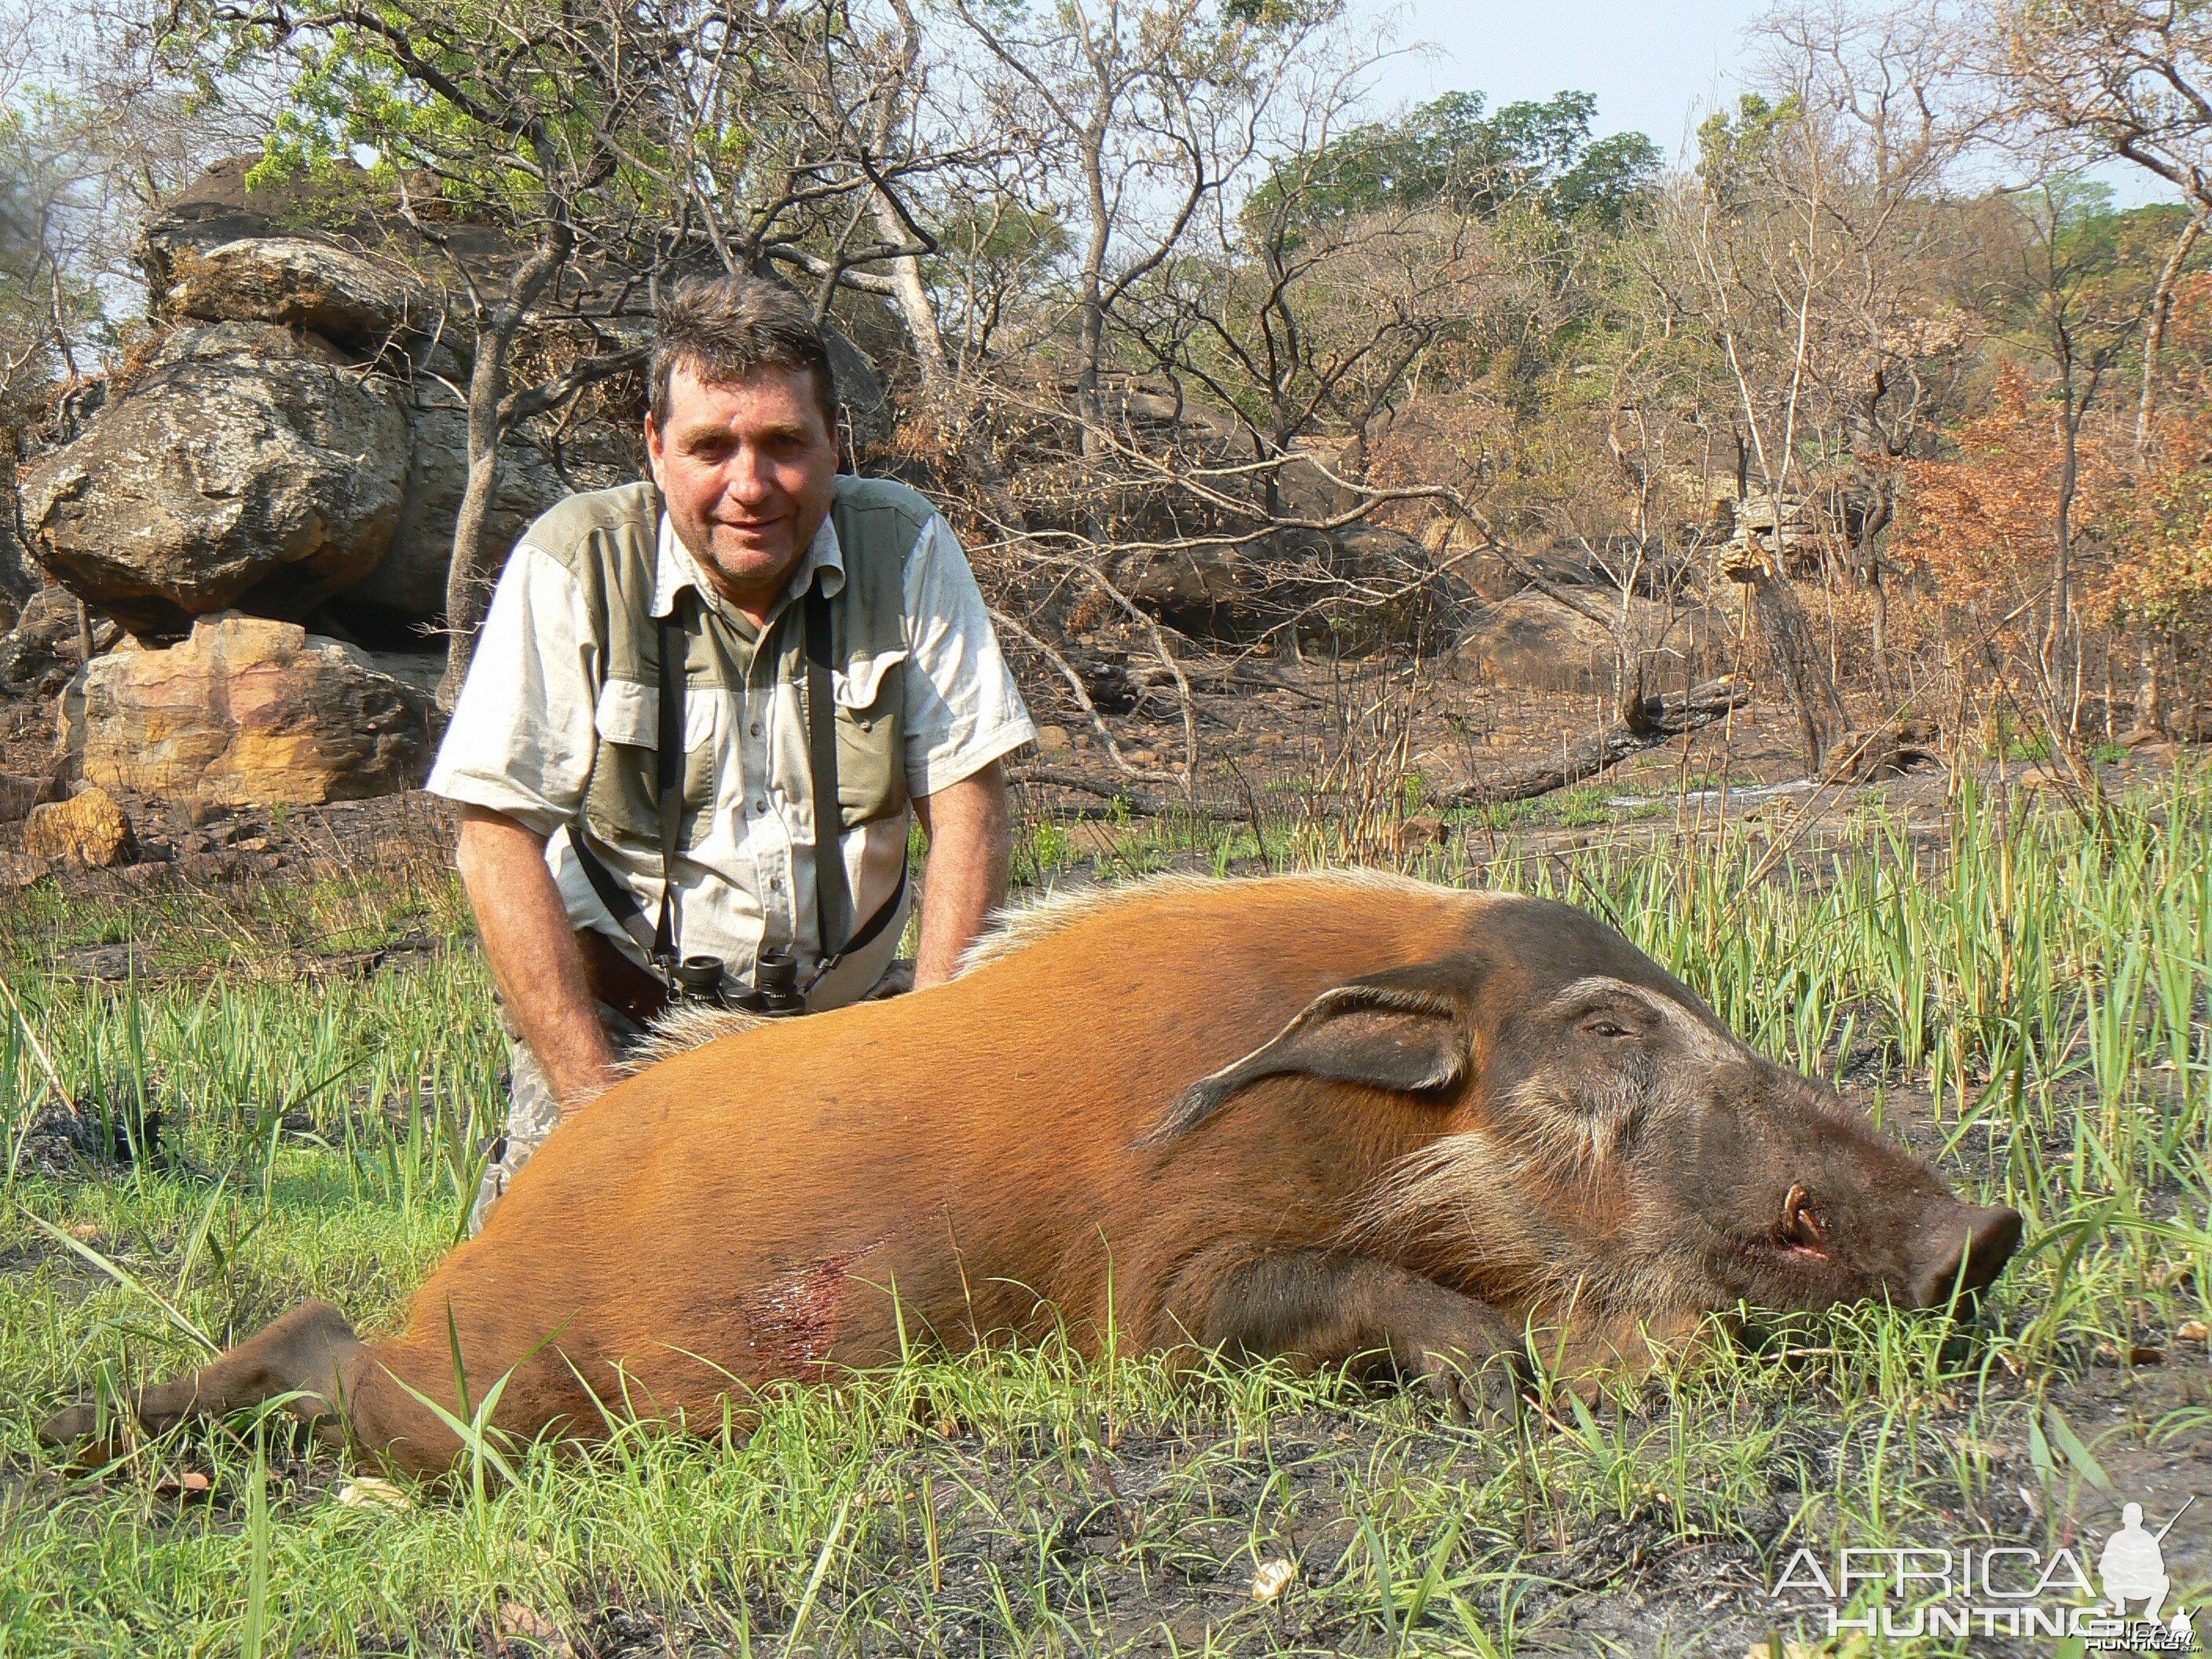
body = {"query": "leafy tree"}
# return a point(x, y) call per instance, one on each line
point(1451, 153)
point(1734, 148)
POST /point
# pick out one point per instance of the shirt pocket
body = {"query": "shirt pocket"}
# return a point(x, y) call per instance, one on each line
point(623, 800)
point(629, 714)
point(871, 700)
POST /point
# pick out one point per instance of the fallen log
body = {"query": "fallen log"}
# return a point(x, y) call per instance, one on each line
point(1647, 723)
point(1140, 802)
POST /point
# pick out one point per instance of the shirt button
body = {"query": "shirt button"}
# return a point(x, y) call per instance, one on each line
point(760, 806)
point(756, 728)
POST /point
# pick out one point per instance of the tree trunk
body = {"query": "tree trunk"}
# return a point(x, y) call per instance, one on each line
point(1797, 658)
point(2162, 307)
point(468, 585)
point(1091, 356)
point(2062, 557)
point(2149, 724)
point(1879, 592)
point(1870, 529)
point(919, 316)
point(1650, 722)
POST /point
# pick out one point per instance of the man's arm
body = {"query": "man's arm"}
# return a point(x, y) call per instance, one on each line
point(970, 844)
point(535, 959)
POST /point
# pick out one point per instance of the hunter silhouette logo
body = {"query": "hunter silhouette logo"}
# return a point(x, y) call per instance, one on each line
point(2006, 1590)
point(2133, 1566)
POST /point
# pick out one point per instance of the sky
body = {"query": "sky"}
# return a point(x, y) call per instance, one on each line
point(1655, 66)
point(1647, 61)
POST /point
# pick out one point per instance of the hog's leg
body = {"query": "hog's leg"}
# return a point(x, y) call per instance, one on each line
point(352, 1392)
point(304, 1352)
point(1324, 1307)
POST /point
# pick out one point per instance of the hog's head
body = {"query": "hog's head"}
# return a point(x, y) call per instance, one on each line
point(1606, 1141)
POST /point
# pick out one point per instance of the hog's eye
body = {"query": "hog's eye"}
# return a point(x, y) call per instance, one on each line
point(1604, 1027)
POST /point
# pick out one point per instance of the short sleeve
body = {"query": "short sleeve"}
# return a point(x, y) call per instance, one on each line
point(521, 741)
point(963, 708)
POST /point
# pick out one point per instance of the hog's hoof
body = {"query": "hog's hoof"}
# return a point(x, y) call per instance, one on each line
point(84, 1438)
point(64, 1429)
point(1481, 1390)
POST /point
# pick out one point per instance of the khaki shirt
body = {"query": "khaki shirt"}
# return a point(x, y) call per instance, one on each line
point(539, 703)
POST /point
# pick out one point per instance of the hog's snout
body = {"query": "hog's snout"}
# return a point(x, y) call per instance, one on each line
point(1961, 1248)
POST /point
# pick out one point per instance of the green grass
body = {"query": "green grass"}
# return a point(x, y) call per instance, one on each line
point(2028, 990)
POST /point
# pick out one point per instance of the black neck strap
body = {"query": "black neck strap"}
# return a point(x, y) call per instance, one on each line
point(833, 898)
point(668, 777)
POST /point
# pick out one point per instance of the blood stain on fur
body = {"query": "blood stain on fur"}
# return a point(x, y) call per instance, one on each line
point(795, 1319)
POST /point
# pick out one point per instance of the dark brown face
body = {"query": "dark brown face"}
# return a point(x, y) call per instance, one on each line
point(1617, 1145)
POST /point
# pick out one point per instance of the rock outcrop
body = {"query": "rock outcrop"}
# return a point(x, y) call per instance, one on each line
point(296, 448)
point(1354, 590)
point(409, 583)
point(1208, 590)
point(90, 830)
point(248, 712)
point(1383, 591)
point(1531, 642)
point(271, 480)
point(45, 647)
point(297, 283)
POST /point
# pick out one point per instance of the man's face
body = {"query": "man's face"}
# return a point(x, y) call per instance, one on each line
point(749, 472)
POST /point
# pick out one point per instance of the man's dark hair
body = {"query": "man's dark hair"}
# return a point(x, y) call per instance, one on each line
point(724, 329)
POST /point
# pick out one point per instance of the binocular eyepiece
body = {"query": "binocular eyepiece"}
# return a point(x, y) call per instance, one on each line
point(775, 990)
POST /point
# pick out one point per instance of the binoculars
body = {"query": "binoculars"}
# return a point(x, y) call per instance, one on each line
point(775, 990)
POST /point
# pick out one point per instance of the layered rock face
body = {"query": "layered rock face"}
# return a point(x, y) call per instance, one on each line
point(297, 446)
point(408, 584)
point(248, 469)
point(301, 285)
point(249, 711)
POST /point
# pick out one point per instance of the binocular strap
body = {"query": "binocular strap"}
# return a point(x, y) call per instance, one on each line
point(833, 898)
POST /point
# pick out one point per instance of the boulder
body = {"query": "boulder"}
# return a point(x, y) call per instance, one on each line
point(1382, 589)
point(1353, 589)
point(220, 207)
point(17, 871)
point(90, 829)
point(223, 480)
point(409, 583)
point(19, 794)
point(860, 391)
point(298, 284)
point(1212, 590)
point(1531, 642)
point(248, 712)
point(262, 342)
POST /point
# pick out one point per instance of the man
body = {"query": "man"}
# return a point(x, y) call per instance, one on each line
point(783, 588)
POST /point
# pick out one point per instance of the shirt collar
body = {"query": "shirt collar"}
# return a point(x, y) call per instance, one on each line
point(675, 569)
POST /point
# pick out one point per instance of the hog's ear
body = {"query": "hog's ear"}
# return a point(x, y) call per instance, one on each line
point(1399, 1030)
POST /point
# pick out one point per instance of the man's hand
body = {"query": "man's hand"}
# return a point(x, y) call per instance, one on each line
point(970, 844)
point(535, 959)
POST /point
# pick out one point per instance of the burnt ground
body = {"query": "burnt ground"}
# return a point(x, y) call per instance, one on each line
point(1347, 749)
point(1312, 744)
